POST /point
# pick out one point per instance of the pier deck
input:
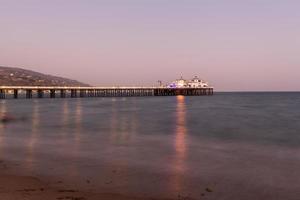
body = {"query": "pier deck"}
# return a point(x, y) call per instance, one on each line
point(74, 92)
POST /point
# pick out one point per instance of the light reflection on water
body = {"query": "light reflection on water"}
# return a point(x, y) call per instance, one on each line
point(65, 118)
point(123, 127)
point(180, 143)
point(34, 136)
point(2, 125)
point(78, 122)
point(73, 168)
point(181, 132)
point(113, 121)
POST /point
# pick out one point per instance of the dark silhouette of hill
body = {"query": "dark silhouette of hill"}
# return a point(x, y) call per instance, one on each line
point(10, 76)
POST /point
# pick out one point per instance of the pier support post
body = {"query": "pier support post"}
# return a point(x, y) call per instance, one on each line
point(2, 94)
point(90, 93)
point(52, 93)
point(28, 94)
point(16, 94)
point(97, 93)
point(40, 93)
point(73, 93)
point(82, 93)
point(62, 93)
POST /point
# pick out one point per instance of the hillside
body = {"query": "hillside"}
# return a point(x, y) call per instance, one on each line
point(21, 77)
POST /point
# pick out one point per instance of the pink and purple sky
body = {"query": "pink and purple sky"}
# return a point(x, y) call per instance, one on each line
point(234, 44)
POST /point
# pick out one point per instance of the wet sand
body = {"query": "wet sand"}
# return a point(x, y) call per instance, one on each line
point(18, 187)
point(30, 188)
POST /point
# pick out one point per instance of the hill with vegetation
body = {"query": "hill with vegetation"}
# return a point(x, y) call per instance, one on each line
point(10, 76)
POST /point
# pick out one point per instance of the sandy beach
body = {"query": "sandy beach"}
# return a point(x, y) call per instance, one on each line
point(18, 187)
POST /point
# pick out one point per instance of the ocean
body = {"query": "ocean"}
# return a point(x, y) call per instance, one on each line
point(225, 146)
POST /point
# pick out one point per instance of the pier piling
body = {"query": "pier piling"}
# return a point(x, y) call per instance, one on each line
point(40, 93)
point(73, 93)
point(52, 93)
point(2, 94)
point(28, 94)
point(62, 93)
point(16, 94)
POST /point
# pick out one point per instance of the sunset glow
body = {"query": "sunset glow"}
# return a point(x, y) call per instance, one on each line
point(236, 45)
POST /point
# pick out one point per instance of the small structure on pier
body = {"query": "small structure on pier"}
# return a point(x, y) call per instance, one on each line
point(193, 83)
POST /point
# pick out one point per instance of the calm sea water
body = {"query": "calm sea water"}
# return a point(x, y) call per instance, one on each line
point(226, 146)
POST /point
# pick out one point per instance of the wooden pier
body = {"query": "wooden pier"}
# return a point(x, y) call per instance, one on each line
point(81, 92)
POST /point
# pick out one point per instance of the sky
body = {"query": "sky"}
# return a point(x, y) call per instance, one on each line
point(235, 45)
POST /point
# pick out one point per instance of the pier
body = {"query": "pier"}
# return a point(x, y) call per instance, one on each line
point(29, 92)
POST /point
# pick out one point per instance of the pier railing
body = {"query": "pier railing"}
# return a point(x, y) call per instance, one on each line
point(74, 92)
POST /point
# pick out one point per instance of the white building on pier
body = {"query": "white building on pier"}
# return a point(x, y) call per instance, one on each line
point(193, 83)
